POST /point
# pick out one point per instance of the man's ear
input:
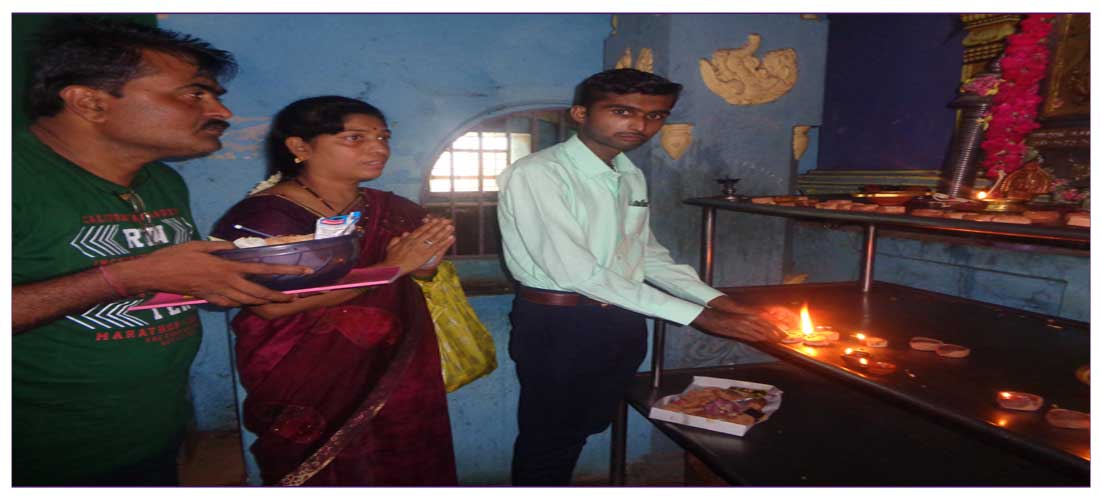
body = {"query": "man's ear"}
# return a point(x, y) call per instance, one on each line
point(578, 113)
point(298, 148)
point(88, 103)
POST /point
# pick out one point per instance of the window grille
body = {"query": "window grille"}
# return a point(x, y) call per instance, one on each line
point(462, 183)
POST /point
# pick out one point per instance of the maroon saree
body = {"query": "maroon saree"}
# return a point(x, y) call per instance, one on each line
point(366, 371)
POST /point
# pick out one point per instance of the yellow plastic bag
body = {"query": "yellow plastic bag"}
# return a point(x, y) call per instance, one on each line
point(465, 346)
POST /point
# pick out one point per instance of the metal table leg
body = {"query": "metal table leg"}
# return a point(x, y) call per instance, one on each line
point(657, 360)
point(707, 258)
point(868, 267)
point(617, 474)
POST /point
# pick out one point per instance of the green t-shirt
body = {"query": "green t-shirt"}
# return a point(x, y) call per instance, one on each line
point(104, 388)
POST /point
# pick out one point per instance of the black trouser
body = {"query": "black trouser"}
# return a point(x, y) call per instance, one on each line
point(574, 364)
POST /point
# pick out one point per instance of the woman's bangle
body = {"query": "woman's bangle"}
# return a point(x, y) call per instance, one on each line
point(119, 291)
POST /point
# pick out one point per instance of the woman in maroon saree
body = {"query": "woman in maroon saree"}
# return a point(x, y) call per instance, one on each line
point(345, 387)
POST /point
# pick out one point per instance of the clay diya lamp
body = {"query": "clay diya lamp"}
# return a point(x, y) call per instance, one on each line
point(869, 341)
point(924, 343)
point(852, 357)
point(1020, 401)
point(879, 367)
point(816, 340)
point(952, 351)
point(828, 331)
point(1068, 419)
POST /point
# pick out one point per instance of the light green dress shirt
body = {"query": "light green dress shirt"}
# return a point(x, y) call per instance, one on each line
point(570, 223)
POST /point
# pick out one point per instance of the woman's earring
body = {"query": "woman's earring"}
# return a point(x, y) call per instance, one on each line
point(297, 160)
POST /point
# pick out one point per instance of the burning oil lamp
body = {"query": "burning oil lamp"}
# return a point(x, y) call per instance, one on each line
point(869, 341)
point(807, 325)
point(878, 367)
point(807, 334)
point(1022, 401)
point(858, 353)
point(876, 342)
point(870, 366)
point(855, 358)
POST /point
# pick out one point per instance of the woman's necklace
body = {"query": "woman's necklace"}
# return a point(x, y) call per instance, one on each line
point(326, 203)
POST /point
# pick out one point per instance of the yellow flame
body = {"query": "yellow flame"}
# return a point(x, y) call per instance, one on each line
point(807, 325)
point(1002, 422)
point(1006, 395)
point(848, 350)
point(861, 337)
point(811, 351)
point(863, 361)
point(982, 195)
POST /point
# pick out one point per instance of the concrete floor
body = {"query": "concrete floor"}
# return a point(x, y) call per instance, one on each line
point(212, 459)
point(216, 459)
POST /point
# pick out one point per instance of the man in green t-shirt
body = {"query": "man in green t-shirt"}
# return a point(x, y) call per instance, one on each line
point(98, 392)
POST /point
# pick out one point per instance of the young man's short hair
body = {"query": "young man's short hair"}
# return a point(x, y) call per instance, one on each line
point(623, 81)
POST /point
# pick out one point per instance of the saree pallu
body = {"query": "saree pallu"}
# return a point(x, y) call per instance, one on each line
point(367, 370)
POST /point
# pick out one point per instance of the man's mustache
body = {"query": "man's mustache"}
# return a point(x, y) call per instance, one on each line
point(216, 124)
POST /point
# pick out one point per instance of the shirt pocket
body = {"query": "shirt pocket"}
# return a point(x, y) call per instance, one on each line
point(636, 222)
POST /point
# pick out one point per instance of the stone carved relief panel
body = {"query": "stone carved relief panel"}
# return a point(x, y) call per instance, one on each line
point(1067, 85)
point(800, 140)
point(626, 60)
point(741, 78)
point(644, 62)
point(675, 138)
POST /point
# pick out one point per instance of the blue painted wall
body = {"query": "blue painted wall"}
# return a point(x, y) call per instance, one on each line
point(1022, 276)
point(430, 74)
point(748, 142)
point(889, 81)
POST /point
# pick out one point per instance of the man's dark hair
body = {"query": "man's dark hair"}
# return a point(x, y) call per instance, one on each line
point(622, 81)
point(309, 118)
point(105, 54)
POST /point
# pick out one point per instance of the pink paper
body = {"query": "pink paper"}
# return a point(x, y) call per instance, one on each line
point(356, 278)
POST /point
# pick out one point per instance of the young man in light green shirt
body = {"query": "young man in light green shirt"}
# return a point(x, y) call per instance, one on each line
point(574, 221)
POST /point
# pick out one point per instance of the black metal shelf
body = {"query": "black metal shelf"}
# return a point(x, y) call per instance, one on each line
point(1012, 350)
point(1050, 234)
point(829, 434)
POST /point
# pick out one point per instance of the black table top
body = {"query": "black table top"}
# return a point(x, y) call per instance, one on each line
point(1011, 350)
point(829, 434)
point(1059, 234)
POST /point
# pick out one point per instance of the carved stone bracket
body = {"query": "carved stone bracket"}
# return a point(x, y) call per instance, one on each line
point(737, 76)
point(985, 39)
point(1059, 138)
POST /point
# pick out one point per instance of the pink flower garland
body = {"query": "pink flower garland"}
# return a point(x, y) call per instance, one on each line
point(1016, 98)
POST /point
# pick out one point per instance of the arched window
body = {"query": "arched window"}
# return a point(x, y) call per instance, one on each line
point(462, 183)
